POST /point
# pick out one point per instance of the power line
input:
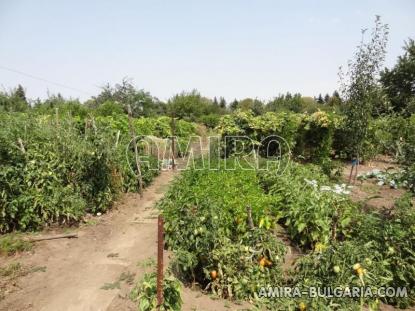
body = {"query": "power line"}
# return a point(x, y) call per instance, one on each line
point(43, 79)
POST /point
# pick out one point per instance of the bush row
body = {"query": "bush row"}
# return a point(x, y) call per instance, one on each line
point(55, 169)
point(316, 137)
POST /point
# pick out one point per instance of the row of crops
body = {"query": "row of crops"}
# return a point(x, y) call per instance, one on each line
point(316, 137)
point(55, 169)
point(319, 137)
point(222, 227)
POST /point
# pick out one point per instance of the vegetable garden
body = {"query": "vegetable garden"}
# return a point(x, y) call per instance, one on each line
point(231, 227)
point(220, 245)
point(57, 169)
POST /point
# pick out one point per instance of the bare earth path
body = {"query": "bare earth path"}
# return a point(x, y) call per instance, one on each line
point(76, 269)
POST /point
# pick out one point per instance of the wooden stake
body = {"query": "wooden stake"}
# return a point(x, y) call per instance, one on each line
point(250, 221)
point(160, 249)
point(117, 139)
point(54, 237)
point(137, 162)
point(173, 149)
point(22, 148)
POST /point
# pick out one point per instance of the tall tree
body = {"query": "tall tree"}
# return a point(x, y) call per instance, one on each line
point(15, 101)
point(20, 93)
point(326, 98)
point(222, 102)
point(320, 99)
point(335, 100)
point(215, 102)
point(124, 94)
point(399, 82)
point(359, 85)
point(234, 105)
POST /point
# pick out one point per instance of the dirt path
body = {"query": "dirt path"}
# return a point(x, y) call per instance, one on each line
point(75, 270)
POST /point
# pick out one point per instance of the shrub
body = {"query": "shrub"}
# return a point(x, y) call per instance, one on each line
point(54, 170)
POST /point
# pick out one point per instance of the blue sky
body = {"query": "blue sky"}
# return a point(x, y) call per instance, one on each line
point(229, 48)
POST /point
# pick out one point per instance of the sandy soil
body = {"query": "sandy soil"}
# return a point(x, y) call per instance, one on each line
point(367, 191)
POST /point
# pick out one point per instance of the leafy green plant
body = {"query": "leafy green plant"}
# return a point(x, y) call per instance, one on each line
point(145, 293)
point(55, 169)
point(311, 213)
point(207, 227)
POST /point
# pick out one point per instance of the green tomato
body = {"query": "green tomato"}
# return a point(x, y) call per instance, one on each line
point(336, 269)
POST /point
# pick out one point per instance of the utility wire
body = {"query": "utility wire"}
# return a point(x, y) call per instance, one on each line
point(43, 80)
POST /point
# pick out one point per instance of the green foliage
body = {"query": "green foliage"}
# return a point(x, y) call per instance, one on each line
point(12, 243)
point(56, 170)
point(145, 293)
point(382, 246)
point(254, 105)
point(192, 106)
point(259, 129)
point(205, 216)
point(109, 108)
point(311, 213)
point(315, 138)
point(307, 136)
point(15, 101)
point(332, 267)
point(300, 104)
point(57, 105)
point(210, 120)
point(399, 81)
point(394, 240)
point(123, 94)
point(360, 88)
point(153, 126)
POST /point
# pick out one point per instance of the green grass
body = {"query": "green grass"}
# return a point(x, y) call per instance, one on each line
point(12, 243)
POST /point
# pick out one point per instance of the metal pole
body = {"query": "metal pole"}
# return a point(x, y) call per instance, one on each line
point(160, 248)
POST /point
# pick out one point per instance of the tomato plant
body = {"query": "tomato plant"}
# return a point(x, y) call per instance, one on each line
point(206, 225)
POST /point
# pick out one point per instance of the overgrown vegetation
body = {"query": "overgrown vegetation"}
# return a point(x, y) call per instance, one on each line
point(207, 227)
point(54, 168)
point(303, 200)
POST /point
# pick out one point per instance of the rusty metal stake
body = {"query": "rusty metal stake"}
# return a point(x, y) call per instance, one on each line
point(160, 248)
